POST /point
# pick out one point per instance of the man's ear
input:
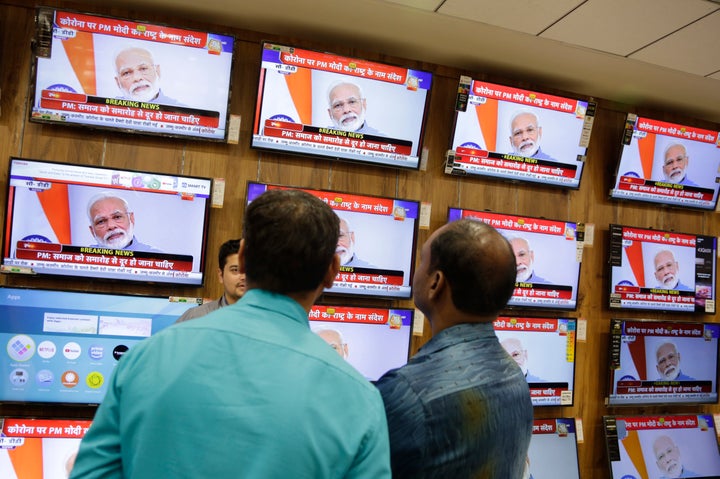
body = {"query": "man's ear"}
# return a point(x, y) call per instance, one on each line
point(332, 271)
point(436, 285)
point(241, 257)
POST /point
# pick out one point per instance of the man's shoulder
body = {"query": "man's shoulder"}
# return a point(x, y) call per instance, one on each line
point(199, 311)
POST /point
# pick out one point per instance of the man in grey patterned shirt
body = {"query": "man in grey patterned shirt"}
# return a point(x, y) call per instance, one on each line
point(460, 408)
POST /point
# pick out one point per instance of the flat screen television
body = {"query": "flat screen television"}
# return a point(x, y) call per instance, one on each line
point(662, 270)
point(131, 76)
point(553, 452)
point(62, 346)
point(372, 339)
point(519, 135)
point(39, 448)
point(377, 241)
point(548, 255)
point(544, 348)
point(668, 164)
point(331, 106)
point(663, 362)
point(109, 223)
point(662, 446)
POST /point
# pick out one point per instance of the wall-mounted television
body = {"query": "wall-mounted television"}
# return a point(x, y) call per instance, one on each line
point(668, 164)
point(377, 241)
point(553, 452)
point(519, 135)
point(35, 448)
point(662, 270)
point(662, 446)
point(331, 106)
point(62, 346)
point(109, 223)
point(548, 254)
point(663, 362)
point(131, 76)
point(544, 348)
point(372, 339)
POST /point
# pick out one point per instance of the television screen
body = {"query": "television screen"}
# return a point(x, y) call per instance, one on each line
point(663, 362)
point(553, 452)
point(662, 270)
point(521, 135)
point(662, 446)
point(544, 348)
point(374, 340)
point(35, 448)
point(669, 164)
point(133, 76)
point(322, 104)
point(377, 241)
point(548, 255)
point(62, 346)
point(95, 222)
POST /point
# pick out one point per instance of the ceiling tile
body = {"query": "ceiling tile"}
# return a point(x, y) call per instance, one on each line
point(693, 49)
point(528, 16)
point(622, 27)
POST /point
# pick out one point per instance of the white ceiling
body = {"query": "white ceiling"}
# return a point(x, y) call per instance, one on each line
point(659, 54)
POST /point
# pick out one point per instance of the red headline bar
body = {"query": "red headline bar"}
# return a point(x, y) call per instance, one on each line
point(509, 222)
point(130, 29)
point(132, 113)
point(347, 142)
point(515, 163)
point(344, 65)
point(104, 260)
point(17, 427)
point(526, 97)
point(665, 237)
point(369, 278)
point(349, 314)
point(668, 190)
point(679, 131)
point(658, 298)
point(504, 323)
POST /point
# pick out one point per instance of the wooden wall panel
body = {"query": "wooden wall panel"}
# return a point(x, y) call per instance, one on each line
point(236, 164)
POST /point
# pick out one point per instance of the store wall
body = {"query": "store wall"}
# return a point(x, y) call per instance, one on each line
point(237, 164)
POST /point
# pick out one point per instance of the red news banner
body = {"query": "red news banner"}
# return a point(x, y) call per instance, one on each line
point(663, 422)
point(352, 315)
point(14, 428)
point(120, 108)
point(97, 258)
point(330, 136)
point(665, 189)
point(508, 162)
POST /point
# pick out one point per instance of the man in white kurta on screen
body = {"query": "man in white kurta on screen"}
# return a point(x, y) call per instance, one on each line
point(347, 107)
point(247, 390)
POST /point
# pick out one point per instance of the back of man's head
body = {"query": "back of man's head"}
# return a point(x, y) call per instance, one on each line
point(228, 248)
point(479, 265)
point(290, 239)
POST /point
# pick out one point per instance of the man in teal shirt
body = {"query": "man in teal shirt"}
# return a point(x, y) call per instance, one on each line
point(248, 391)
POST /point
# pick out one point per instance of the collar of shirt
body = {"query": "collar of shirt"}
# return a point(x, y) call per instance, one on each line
point(275, 302)
point(453, 335)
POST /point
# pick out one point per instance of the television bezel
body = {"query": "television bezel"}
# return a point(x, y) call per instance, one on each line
point(570, 332)
point(579, 242)
point(614, 359)
point(631, 120)
point(613, 303)
point(318, 154)
point(335, 304)
point(531, 99)
point(189, 302)
point(39, 47)
point(339, 294)
point(7, 227)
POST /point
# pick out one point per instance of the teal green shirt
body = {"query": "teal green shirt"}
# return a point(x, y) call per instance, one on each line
point(247, 391)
